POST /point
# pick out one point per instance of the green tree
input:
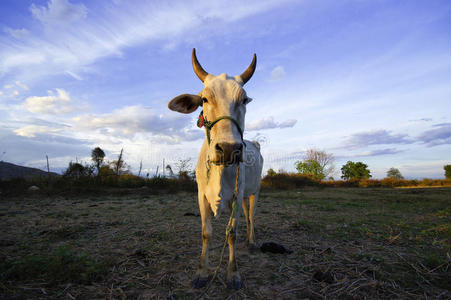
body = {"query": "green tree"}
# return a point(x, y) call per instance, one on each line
point(78, 170)
point(106, 171)
point(355, 171)
point(97, 156)
point(271, 172)
point(447, 169)
point(324, 159)
point(394, 173)
point(311, 168)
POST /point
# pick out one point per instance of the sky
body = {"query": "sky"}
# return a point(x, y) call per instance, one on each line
point(364, 80)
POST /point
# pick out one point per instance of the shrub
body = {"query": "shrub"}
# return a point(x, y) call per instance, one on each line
point(286, 181)
point(447, 169)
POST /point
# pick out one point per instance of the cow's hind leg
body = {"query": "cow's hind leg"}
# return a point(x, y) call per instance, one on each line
point(251, 237)
point(245, 206)
point(201, 278)
point(233, 276)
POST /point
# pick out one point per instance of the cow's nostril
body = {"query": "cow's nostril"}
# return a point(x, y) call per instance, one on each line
point(219, 148)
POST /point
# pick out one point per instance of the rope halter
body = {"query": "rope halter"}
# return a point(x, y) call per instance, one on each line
point(202, 121)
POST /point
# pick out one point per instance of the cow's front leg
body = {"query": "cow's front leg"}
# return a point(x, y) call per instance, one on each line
point(233, 276)
point(201, 278)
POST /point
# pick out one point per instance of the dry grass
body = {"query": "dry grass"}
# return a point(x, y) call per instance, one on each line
point(347, 243)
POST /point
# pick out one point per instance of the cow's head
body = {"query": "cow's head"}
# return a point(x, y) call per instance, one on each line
point(222, 96)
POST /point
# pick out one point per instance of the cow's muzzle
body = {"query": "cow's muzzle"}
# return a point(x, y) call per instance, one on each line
point(228, 153)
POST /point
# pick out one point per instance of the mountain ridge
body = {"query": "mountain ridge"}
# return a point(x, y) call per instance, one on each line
point(10, 171)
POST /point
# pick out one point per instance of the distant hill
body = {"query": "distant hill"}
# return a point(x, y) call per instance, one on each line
point(9, 170)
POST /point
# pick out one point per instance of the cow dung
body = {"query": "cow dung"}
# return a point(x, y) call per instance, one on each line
point(274, 248)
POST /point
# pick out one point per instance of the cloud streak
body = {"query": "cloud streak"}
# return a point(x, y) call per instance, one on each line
point(269, 123)
point(30, 131)
point(377, 152)
point(131, 120)
point(63, 47)
point(278, 73)
point(376, 137)
point(58, 13)
point(59, 103)
point(440, 135)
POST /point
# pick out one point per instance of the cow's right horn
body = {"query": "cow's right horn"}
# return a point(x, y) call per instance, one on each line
point(200, 72)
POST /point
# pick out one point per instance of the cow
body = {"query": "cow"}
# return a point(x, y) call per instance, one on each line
point(229, 167)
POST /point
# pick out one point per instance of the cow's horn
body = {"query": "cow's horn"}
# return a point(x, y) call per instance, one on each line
point(249, 71)
point(200, 72)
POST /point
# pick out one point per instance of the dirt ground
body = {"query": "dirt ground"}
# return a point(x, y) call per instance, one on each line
point(347, 243)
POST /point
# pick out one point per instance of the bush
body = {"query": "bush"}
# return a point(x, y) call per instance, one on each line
point(447, 169)
point(286, 181)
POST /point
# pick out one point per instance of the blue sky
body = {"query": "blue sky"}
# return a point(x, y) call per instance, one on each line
point(365, 80)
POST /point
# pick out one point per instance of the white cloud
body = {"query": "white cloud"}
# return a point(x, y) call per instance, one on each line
point(277, 73)
point(31, 130)
point(17, 33)
point(22, 85)
point(131, 120)
point(269, 123)
point(13, 90)
point(71, 48)
point(58, 12)
point(74, 75)
point(59, 103)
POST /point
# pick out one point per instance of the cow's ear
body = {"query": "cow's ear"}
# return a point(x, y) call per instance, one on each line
point(185, 103)
point(247, 100)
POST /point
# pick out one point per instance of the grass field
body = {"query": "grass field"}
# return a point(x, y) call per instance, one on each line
point(348, 243)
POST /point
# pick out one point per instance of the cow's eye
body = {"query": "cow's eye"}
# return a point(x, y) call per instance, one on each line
point(204, 100)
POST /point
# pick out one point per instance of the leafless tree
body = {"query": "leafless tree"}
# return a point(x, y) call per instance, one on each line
point(325, 160)
point(119, 166)
point(183, 165)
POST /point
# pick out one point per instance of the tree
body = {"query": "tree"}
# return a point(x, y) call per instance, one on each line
point(311, 168)
point(271, 172)
point(447, 169)
point(324, 159)
point(106, 171)
point(77, 170)
point(394, 173)
point(183, 165)
point(119, 166)
point(97, 156)
point(355, 171)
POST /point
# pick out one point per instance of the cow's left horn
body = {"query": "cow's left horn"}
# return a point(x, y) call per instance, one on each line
point(249, 71)
point(200, 72)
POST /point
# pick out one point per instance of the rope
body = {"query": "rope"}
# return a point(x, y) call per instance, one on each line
point(202, 121)
point(228, 230)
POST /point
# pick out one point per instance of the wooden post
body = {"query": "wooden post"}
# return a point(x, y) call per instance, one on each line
point(48, 167)
point(140, 167)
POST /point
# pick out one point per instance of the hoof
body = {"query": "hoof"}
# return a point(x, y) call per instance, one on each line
point(234, 283)
point(199, 282)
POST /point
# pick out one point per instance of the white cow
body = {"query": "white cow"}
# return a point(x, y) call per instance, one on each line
point(223, 101)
